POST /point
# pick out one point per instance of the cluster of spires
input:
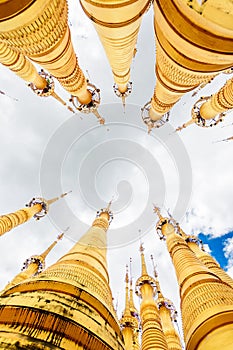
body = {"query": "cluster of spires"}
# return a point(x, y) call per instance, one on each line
point(81, 276)
point(184, 63)
point(53, 307)
point(130, 320)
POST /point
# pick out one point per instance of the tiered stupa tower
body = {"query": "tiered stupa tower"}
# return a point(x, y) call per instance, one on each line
point(67, 306)
point(190, 50)
point(205, 258)
point(38, 207)
point(32, 266)
point(117, 23)
point(210, 110)
point(152, 333)
point(168, 315)
point(38, 31)
point(134, 312)
point(129, 321)
point(206, 301)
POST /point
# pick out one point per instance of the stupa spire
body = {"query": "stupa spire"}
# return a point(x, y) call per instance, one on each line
point(225, 140)
point(63, 298)
point(9, 96)
point(206, 301)
point(159, 291)
point(133, 310)
point(52, 245)
point(38, 207)
point(152, 333)
point(185, 125)
point(208, 111)
point(129, 321)
point(143, 261)
point(158, 212)
point(126, 321)
point(55, 199)
point(33, 265)
point(127, 310)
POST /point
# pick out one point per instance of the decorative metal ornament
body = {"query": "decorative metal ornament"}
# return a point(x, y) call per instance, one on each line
point(197, 118)
point(44, 204)
point(35, 259)
point(168, 305)
point(195, 239)
point(120, 94)
point(93, 105)
point(164, 221)
point(152, 123)
point(48, 90)
point(101, 211)
point(145, 280)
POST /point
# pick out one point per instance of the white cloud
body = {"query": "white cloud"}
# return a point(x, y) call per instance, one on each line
point(228, 252)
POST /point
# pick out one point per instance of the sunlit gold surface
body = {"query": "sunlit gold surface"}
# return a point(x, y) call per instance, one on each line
point(211, 263)
point(40, 32)
point(190, 47)
point(152, 333)
point(33, 266)
point(117, 24)
point(67, 305)
point(127, 322)
point(220, 102)
point(9, 221)
point(206, 301)
point(172, 338)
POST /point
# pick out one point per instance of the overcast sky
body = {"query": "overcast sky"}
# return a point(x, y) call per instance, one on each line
point(45, 150)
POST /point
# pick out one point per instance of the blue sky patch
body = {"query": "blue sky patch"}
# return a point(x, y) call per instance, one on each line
point(216, 245)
